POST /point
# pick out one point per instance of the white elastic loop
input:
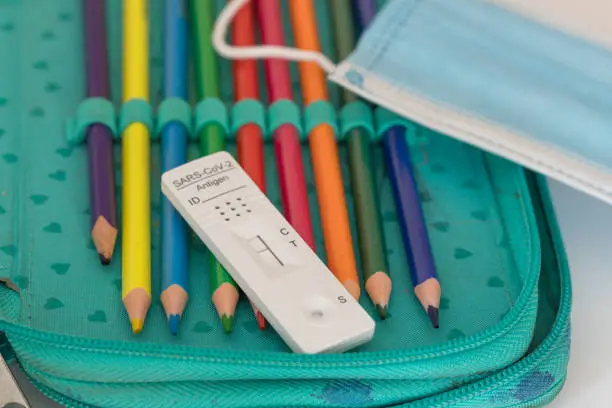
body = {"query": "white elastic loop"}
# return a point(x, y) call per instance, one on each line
point(261, 51)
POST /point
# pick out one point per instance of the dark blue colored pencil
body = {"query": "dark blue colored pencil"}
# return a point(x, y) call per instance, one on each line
point(412, 221)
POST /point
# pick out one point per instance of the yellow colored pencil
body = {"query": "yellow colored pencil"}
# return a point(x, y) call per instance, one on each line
point(136, 228)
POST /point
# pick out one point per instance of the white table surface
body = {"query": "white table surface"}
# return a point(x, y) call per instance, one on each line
point(586, 226)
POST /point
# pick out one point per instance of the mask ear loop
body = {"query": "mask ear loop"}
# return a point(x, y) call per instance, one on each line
point(261, 51)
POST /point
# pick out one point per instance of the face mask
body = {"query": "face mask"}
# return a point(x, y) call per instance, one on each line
point(482, 74)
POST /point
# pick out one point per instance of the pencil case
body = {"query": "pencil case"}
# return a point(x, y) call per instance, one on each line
point(504, 331)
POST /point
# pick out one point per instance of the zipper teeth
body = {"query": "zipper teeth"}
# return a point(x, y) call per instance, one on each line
point(471, 391)
point(511, 373)
point(355, 359)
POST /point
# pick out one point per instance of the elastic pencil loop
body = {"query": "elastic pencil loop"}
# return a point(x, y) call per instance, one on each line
point(174, 110)
point(136, 111)
point(210, 111)
point(386, 119)
point(284, 112)
point(357, 115)
point(249, 111)
point(89, 112)
point(318, 113)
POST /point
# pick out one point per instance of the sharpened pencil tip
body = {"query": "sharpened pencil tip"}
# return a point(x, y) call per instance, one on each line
point(261, 320)
point(137, 325)
point(382, 311)
point(228, 322)
point(104, 260)
point(432, 312)
point(173, 323)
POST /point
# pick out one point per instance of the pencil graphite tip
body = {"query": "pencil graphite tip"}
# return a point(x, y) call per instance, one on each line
point(104, 260)
point(382, 311)
point(432, 312)
point(173, 323)
point(261, 320)
point(137, 325)
point(228, 322)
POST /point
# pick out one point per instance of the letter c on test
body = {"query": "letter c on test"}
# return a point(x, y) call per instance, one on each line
point(284, 231)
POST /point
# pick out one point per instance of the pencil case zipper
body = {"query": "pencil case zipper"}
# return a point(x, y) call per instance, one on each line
point(447, 399)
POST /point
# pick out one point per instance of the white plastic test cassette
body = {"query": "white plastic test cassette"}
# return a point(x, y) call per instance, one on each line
point(278, 271)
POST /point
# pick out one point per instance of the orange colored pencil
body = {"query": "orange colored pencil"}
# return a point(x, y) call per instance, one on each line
point(324, 152)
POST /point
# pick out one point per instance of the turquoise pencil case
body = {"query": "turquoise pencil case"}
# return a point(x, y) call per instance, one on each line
point(504, 335)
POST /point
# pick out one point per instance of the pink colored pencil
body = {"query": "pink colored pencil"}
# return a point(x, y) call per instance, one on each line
point(294, 194)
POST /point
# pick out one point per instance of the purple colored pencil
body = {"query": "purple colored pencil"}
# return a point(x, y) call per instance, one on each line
point(366, 10)
point(103, 208)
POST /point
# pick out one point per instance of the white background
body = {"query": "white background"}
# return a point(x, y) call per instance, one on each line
point(586, 226)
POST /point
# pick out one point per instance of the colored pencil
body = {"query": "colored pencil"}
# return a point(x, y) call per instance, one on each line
point(410, 214)
point(369, 223)
point(99, 138)
point(412, 222)
point(136, 275)
point(292, 179)
point(324, 152)
point(365, 12)
point(175, 264)
point(224, 289)
point(246, 86)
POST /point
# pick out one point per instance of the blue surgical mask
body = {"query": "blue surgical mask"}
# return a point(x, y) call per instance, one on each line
point(499, 80)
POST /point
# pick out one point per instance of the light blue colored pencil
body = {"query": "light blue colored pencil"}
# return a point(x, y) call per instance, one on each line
point(174, 153)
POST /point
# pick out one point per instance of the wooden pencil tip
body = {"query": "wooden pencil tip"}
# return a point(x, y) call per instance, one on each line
point(104, 260)
point(378, 287)
point(173, 324)
point(104, 236)
point(228, 323)
point(174, 299)
point(353, 288)
point(382, 311)
point(261, 320)
point(433, 313)
point(428, 292)
point(137, 303)
point(225, 299)
point(137, 325)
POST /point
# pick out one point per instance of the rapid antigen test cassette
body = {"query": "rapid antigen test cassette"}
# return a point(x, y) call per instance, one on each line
point(272, 264)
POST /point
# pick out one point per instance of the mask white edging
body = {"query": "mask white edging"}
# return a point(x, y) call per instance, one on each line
point(261, 51)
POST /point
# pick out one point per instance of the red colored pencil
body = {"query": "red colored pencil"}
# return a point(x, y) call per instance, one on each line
point(287, 147)
point(249, 138)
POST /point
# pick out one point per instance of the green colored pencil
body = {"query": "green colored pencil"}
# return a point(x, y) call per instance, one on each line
point(369, 223)
point(212, 139)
